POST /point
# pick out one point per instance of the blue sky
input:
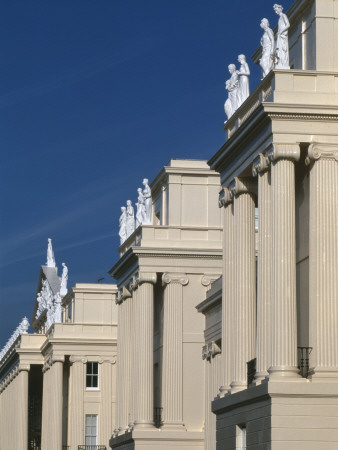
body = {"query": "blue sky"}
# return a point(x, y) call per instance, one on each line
point(95, 96)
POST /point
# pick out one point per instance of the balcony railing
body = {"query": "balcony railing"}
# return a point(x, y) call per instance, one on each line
point(303, 360)
point(91, 447)
point(158, 416)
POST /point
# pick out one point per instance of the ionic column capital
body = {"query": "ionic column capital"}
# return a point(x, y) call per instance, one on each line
point(122, 294)
point(322, 151)
point(144, 277)
point(24, 367)
point(111, 360)
point(210, 350)
point(77, 359)
point(289, 152)
point(260, 165)
point(175, 278)
point(224, 198)
point(57, 358)
point(241, 186)
point(209, 278)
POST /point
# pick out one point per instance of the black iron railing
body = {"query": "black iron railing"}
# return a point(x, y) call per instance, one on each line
point(158, 416)
point(251, 370)
point(303, 360)
point(92, 447)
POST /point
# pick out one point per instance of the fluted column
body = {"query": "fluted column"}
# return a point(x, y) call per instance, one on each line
point(56, 397)
point(123, 300)
point(245, 280)
point(226, 201)
point(323, 259)
point(76, 413)
point(133, 384)
point(22, 417)
point(45, 422)
point(283, 287)
point(172, 385)
point(145, 351)
point(263, 338)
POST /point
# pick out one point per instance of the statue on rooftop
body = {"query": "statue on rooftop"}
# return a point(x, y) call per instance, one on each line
point(231, 86)
point(282, 43)
point(123, 225)
point(50, 254)
point(140, 205)
point(243, 73)
point(267, 42)
point(130, 225)
point(64, 279)
point(147, 202)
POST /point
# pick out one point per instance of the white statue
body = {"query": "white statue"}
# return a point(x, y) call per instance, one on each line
point(64, 279)
point(123, 225)
point(282, 43)
point(267, 42)
point(231, 86)
point(147, 202)
point(24, 325)
point(57, 308)
point(50, 254)
point(243, 73)
point(140, 205)
point(130, 219)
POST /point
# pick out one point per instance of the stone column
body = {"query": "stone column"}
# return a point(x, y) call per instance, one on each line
point(22, 418)
point(56, 401)
point(172, 381)
point(323, 259)
point(283, 287)
point(245, 280)
point(45, 405)
point(133, 386)
point(144, 356)
point(76, 432)
point(123, 357)
point(225, 200)
point(263, 338)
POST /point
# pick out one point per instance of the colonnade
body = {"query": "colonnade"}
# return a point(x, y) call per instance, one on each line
point(135, 369)
point(274, 344)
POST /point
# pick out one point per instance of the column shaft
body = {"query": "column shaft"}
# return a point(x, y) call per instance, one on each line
point(55, 412)
point(324, 259)
point(263, 338)
point(283, 288)
point(106, 385)
point(172, 385)
point(22, 417)
point(245, 283)
point(227, 291)
point(145, 356)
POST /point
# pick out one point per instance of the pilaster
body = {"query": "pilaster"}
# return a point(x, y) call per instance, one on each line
point(76, 413)
point(242, 191)
point(323, 259)
point(263, 339)
point(172, 385)
point(283, 279)
point(228, 308)
point(144, 355)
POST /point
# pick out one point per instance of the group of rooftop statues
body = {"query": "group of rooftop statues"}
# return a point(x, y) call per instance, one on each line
point(127, 221)
point(274, 55)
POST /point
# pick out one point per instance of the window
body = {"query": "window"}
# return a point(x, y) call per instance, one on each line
point(92, 375)
point(91, 430)
point(241, 437)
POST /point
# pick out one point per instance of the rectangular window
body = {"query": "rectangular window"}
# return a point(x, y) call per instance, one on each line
point(241, 437)
point(91, 430)
point(92, 375)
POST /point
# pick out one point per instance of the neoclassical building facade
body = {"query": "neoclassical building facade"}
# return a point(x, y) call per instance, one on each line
point(279, 360)
point(57, 384)
point(163, 271)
